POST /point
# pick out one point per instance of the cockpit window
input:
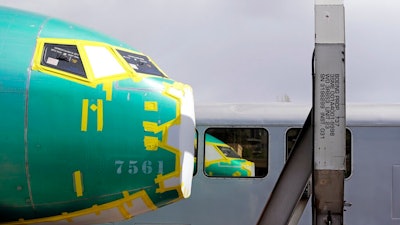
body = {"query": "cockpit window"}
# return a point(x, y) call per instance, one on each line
point(140, 63)
point(228, 152)
point(63, 57)
point(102, 62)
point(90, 62)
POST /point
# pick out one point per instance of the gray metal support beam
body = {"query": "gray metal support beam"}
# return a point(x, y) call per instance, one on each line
point(329, 117)
point(324, 131)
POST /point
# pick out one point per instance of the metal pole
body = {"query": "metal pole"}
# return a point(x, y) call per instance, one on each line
point(329, 113)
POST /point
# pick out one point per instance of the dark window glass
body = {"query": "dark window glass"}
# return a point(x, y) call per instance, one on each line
point(195, 152)
point(63, 57)
point(228, 152)
point(236, 152)
point(140, 63)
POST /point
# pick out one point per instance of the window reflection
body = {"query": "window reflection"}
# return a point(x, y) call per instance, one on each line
point(236, 152)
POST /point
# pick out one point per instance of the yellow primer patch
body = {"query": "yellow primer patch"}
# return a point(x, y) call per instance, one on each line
point(151, 106)
point(99, 115)
point(98, 108)
point(96, 209)
point(153, 126)
point(84, 119)
point(85, 114)
point(78, 184)
point(236, 174)
point(126, 195)
point(151, 143)
point(108, 88)
point(124, 212)
point(69, 219)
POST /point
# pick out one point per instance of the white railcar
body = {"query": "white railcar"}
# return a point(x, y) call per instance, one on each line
point(264, 134)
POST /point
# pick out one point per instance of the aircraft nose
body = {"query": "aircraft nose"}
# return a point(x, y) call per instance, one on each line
point(95, 131)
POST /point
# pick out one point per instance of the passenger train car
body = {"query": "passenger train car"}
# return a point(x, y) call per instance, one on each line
point(264, 134)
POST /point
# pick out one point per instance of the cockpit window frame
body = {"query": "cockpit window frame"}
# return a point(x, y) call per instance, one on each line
point(90, 78)
point(63, 57)
point(155, 71)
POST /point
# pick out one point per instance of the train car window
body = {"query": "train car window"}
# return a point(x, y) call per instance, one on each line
point(140, 63)
point(102, 62)
point(349, 161)
point(236, 152)
point(291, 137)
point(63, 57)
point(196, 134)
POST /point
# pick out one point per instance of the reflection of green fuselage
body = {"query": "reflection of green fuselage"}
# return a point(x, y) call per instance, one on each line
point(221, 160)
point(68, 144)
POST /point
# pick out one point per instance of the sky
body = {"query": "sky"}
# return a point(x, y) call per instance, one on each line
point(245, 51)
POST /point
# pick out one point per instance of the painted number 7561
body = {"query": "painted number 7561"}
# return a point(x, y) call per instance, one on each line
point(136, 167)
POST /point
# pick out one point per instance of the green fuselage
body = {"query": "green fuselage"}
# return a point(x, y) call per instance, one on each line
point(68, 143)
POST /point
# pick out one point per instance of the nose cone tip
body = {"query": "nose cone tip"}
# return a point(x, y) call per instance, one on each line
point(187, 136)
point(182, 136)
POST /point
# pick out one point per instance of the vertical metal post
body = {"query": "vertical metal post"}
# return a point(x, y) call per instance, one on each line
point(329, 113)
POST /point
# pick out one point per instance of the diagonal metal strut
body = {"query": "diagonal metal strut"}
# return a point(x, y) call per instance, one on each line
point(292, 180)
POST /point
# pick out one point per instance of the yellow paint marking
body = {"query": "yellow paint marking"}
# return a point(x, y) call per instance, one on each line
point(137, 78)
point(151, 143)
point(84, 213)
point(96, 209)
point(124, 212)
point(108, 88)
point(151, 106)
point(169, 181)
point(85, 114)
point(126, 195)
point(99, 115)
point(151, 127)
point(93, 107)
point(236, 174)
point(84, 119)
point(68, 219)
point(78, 184)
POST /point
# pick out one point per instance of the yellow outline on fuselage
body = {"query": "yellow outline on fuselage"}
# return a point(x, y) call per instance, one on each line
point(121, 204)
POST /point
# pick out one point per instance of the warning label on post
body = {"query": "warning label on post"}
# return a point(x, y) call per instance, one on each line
point(330, 122)
point(329, 89)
